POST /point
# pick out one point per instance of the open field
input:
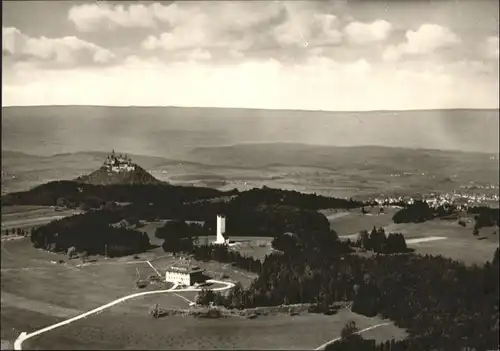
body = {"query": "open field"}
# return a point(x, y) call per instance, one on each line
point(30, 216)
point(458, 242)
point(142, 332)
point(65, 290)
point(68, 289)
point(353, 221)
point(64, 285)
point(16, 320)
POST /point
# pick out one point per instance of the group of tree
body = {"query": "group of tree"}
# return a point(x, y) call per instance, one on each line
point(205, 297)
point(91, 232)
point(270, 196)
point(264, 215)
point(233, 299)
point(485, 216)
point(378, 241)
point(222, 253)
point(417, 212)
point(73, 194)
point(434, 298)
point(263, 220)
point(350, 340)
point(178, 236)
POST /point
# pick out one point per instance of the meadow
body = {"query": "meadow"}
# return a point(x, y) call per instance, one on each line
point(458, 243)
point(124, 331)
point(26, 217)
point(65, 290)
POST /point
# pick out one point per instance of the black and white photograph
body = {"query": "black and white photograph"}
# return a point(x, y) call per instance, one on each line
point(250, 175)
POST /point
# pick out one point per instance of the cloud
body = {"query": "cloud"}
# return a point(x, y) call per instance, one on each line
point(362, 33)
point(199, 55)
point(89, 17)
point(318, 83)
point(304, 25)
point(425, 40)
point(239, 26)
point(491, 47)
point(180, 38)
point(65, 50)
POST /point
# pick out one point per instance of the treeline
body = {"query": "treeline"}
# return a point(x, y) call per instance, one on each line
point(178, 236)
point(420, 211)
point(443, 304)
point(485, 216)
point(269, 196)
point(91, 232)
point(263, 220)
point(185, 203)
point(74, 194)
point(221, 253)
point(351, 340)
point(378, 241)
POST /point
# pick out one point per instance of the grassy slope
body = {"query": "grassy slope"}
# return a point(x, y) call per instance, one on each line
point(60, 289)
point(460, 243)
point(143, 332)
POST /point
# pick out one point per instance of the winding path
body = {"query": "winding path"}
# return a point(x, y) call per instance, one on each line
point(24, 336)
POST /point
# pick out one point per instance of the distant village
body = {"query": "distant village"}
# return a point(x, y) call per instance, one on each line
point(434, 200)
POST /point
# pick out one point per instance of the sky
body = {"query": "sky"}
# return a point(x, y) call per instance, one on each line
point(342, 55)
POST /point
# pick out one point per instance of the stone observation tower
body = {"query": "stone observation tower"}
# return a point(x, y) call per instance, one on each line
point(221, 229)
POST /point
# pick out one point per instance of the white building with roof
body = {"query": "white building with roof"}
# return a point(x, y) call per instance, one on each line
point(184, 273)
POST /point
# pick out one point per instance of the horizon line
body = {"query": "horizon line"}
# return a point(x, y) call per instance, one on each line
point(409, 148)
point(259, 109)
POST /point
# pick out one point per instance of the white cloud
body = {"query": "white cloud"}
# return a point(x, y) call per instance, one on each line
point(425, 40)
point(200, 55)
point(362, 33)
point(103, 15)
point(236, 54)
point(238, 25)
point(320, 83)
point(66, 50)
point(491, 47)
point(303, 27)
point(90, 17)
point(180, 38)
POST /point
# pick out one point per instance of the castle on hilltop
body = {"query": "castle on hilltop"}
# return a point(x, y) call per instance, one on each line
point(118, 163)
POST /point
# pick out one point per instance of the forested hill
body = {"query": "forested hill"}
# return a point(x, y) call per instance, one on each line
point(121, 180)
point(102, 177)
point(74, 194)
point(118, 169)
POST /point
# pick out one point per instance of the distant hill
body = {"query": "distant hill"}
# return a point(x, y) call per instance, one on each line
point(170, 131)
point(257, 155)
point(118, 169)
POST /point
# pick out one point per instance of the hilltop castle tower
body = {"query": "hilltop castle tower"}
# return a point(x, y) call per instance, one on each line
point(221, 229)
point(118, 163)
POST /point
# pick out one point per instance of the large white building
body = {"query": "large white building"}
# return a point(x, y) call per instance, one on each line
point(184, 273)
point(221, 229)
